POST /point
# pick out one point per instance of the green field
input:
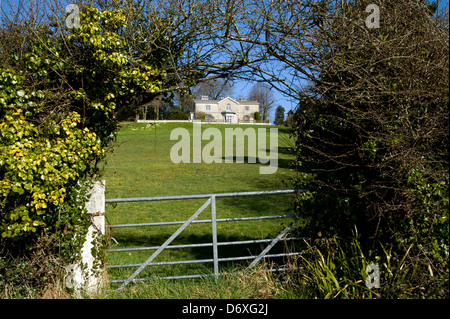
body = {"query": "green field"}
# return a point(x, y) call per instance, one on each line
point(140, 166)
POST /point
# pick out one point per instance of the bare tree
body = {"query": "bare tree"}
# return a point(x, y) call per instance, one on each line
point(261, 92)
point(214, 88)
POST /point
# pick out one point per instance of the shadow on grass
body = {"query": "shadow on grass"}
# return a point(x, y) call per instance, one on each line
point(286, 163)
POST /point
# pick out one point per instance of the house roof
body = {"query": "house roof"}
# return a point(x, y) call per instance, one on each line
point(227, 98)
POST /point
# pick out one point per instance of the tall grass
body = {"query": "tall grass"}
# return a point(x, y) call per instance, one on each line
point(336, 268)
point(332, 272)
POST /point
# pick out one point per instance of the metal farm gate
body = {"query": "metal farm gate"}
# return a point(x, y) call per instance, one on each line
point(211, 201)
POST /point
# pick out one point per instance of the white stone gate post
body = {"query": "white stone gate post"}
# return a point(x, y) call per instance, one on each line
point(90, 279)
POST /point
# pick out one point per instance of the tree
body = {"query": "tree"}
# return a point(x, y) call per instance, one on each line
point(279, 115)
point(185, 101)
point(374, 135)
point(290, 121)
point(261, 92)
point(182, 38)
point(214, 89)
point(156, 104)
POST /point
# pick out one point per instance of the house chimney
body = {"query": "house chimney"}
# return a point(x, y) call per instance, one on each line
point(205, 97)
point(243, 99)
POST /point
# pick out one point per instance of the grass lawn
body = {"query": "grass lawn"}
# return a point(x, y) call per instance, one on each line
point(140, 166)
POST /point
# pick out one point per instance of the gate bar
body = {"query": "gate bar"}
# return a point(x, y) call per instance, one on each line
point(202, 221)
point(273, 243)
point(214, 237)
point(204, 261)
point(223, 243)
point(237, 194)
point(192, 276)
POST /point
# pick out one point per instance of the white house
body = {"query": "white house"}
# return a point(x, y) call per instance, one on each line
point(226, 110)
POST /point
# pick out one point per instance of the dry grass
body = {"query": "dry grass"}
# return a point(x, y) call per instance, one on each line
point(257, 283)
point(55, 291)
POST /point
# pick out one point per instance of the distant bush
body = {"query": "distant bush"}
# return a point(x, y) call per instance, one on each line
point(176, 113)
point(200, 115)
point(257, 116)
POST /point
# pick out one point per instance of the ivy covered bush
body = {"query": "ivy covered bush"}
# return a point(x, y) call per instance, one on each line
point(58, 101)
point(37, 163)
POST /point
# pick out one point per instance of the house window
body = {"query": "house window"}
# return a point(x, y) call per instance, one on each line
point(208, 117)
point(228, 107)
point(246, 108)
point(208, 107)
point(246, 119)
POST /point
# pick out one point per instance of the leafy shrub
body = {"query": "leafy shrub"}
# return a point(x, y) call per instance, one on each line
point(58, 101)
point(200, 115)
point(176, 113)
point(372, 147)
point(257, 116)
point(37, 164)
